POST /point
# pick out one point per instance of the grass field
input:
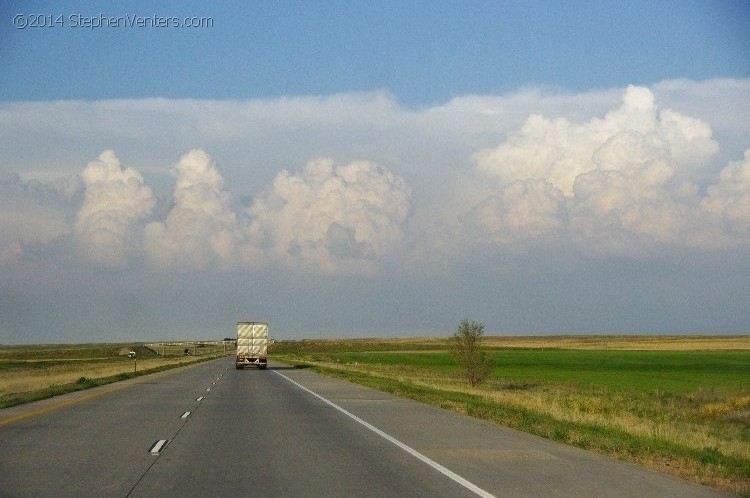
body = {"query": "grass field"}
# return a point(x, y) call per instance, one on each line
point(30, 373)
point(680, 405)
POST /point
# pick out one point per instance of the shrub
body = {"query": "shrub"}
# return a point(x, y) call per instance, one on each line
point(468, 352)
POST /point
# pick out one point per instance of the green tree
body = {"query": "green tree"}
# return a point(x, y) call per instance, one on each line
point(468, 352)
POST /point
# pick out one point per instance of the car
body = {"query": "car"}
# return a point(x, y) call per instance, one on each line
point(131, 354)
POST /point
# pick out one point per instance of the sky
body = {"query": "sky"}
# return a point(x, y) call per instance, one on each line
point(373, 169)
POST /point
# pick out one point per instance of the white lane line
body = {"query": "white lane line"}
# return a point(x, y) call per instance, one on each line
point(448, 473)
point(158, 446)
point(185, 415)
point(199, 399)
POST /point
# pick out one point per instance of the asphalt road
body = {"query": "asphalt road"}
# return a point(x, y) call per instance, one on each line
point(287, 432)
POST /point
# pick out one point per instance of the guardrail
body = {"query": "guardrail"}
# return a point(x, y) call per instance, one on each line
point(192, 348)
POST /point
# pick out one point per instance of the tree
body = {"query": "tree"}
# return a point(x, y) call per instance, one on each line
point(467, 350)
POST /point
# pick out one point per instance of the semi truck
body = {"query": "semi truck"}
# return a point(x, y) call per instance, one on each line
point(252, 344)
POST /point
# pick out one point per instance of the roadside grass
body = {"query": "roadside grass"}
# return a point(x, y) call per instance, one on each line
point(32, 373)
point(685, 411)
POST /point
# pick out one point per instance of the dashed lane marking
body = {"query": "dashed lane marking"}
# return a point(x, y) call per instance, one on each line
point(158, 446)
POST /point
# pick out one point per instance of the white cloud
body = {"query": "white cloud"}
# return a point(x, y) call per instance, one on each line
point(627, 194)
point(729, 199)
point(690, 139)
point(487, 204)
point(522, 210)
point(201, 228)
point(559, 150)
point(621, 183)
point(115, 200)
point(607, 169)
point(333, 218)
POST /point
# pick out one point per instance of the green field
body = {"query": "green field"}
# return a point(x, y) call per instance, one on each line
point(676, 372)
point(685, 412)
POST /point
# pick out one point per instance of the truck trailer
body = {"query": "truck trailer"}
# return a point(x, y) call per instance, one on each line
point(252, 344)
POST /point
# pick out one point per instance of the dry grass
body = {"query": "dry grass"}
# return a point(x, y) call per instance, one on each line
point(34, 379)
point(676, 423)
point(37, 371)
point(584, 342)
point(633, 343)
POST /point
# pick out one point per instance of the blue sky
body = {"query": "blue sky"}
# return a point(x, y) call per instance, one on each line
point(422, 52)
point(374, 169)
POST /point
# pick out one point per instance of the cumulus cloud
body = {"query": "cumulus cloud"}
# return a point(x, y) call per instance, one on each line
point(627, 194)
point(522, 210)
point(335, 218)
point(617, 183)
point(559, 150)
point(201, 227)
point(327, 218)
point(609, 169)
point(729, 199)
point(115, 199)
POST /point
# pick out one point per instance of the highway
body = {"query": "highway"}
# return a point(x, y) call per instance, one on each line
point(211, 430)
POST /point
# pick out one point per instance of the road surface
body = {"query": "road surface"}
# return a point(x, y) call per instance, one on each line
point(211, 430)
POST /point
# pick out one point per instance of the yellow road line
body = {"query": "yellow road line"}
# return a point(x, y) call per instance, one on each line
point(77, 398)
point(61, 404)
